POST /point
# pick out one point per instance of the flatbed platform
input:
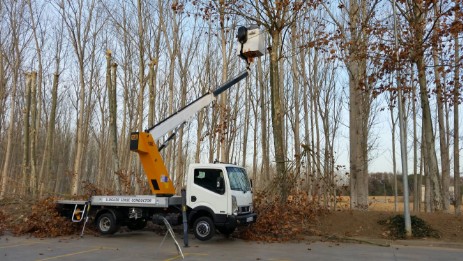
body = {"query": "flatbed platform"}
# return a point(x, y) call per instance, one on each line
point(128, 201)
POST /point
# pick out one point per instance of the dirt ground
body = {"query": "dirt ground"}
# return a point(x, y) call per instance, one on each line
point(364, 224)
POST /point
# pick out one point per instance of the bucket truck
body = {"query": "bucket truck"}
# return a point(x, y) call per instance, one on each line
point(217, 195)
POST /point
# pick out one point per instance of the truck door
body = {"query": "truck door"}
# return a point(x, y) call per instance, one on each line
point(205, 190)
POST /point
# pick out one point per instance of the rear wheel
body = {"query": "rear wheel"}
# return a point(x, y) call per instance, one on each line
point(107, 224)
point(204, 228)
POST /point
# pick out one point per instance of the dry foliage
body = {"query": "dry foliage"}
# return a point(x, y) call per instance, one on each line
point(279, 222)
point(43, 221)
point(3, 222)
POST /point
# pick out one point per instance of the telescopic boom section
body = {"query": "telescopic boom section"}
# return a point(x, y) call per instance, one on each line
point(144, 143)
point(186, 113)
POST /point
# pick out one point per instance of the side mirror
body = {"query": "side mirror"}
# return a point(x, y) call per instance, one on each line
point(220, 185)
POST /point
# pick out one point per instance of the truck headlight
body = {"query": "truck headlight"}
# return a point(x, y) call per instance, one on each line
point(234, 206)
point(251, 208)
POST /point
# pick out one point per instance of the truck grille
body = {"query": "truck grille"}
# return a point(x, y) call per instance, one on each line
point(243, 210)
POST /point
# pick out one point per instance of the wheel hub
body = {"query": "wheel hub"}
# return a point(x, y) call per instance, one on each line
point(203, 229)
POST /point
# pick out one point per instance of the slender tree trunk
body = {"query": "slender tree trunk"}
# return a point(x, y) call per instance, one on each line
point(416, 175)
point(141, 77)
point(394, 161)
point(444, 146)
point(223, 107)
point(15, 82)
point(305, 105)
point(10, 134)
point(26, 164)
point(2, 87)
point(48, 151)
point(359, 107)
point(277, 115)
point(33, 136)
point(456, 130)
point(246, 121)
point(111, 70)
point(153, 80)
point(38, 107)
point(296, 128)
point(263, 123)
point(430, 152)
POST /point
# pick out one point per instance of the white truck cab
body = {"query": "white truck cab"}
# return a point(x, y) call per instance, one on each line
point(218, 196)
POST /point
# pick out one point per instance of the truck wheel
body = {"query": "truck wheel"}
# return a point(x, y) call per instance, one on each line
point(226, 231)
point(204, 228)
point(107, 224)
point(137, 224)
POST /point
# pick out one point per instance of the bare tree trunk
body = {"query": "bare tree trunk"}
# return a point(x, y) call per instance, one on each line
point(456, 130)
point(263, 123)
point(38, 104)
point(359, 105)
point(48, 151)
point(172, 44)
point(2, 87)
point(111, 70)
point(296, 125)
point(79, 33)
point(305, 105)
point(416, 19)
point(246, 121)
point(359, 96)
point(416, 175)
point(444, 144)
point(430, 152)
point(316, 146)
point(153, 72)
point(26, 164)
point(15, 31)
point(141, 77)
point(394, 161)
point(33, 137)
point(255, 140)
point(223, 107)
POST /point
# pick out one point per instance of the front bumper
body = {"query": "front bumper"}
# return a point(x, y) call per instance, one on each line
point(235, 221)
point(245, 219)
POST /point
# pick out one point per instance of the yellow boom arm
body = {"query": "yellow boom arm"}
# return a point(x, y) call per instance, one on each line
point(155, 170)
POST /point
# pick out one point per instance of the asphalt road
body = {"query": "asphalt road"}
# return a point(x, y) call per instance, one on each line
point(146, 245)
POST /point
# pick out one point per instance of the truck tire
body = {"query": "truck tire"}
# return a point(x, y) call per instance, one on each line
point(138, 224)
point(107, 224)
point(204, 228)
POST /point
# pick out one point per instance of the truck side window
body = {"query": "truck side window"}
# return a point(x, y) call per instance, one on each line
point(207, 178)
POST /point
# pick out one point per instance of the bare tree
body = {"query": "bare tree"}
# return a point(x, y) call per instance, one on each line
point(78, 17)
point(15, 13)
point(359, 14)
point(32, 134)
point(416, 14)
point(443, 128)
point(111, 70)
point(26, 163)
point(275, 18)
point(456, 130)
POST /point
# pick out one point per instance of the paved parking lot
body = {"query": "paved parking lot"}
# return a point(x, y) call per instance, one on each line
point(145, 245)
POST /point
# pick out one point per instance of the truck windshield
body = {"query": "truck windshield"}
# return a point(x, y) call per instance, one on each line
point(238, 179)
